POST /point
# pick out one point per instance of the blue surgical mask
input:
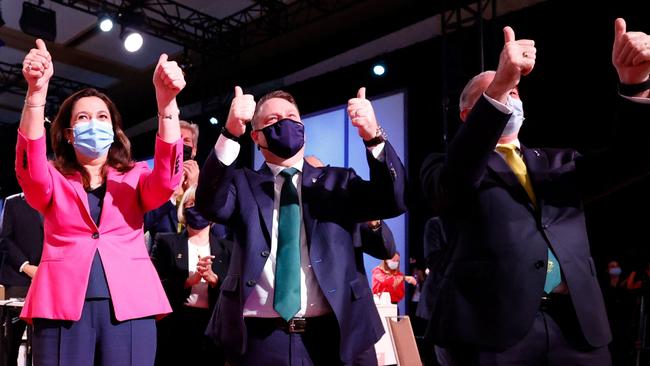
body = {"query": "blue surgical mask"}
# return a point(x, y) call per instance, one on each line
point(194, 219)
point(615, 271)
point(516, 118)
point(284, 138)
point(94, 138)
point(392, 265)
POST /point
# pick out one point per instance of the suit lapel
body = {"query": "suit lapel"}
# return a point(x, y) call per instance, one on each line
point(537, 168)
point(181, 252)
point(310, 177)
point(262, 185)
point(111, 176)
point(77, 184)
point(505, 174)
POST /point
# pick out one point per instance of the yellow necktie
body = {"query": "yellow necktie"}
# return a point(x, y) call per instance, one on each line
point(516, 164)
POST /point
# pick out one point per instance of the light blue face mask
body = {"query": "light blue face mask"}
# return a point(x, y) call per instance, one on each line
point(94, 138)
point(516, 118)
point(615, 271)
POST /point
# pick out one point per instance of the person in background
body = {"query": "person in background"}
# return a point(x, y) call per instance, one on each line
point(386, 277)
point(164, 218)
point(622, 313)
point(191, 266)
point(21, 238)
point(96, 294)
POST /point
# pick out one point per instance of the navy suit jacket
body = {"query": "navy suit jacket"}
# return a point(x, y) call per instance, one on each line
point(334, 201)
point(22, 239)
point(493, 285)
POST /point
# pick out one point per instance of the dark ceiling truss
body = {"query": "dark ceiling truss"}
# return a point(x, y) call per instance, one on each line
point(179, 24)
point(12, 81)
point(464, 13)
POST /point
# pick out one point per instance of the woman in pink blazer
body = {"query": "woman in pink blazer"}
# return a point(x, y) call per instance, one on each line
point(96, 293)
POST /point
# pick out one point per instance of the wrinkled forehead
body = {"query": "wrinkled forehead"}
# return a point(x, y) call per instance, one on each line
point(273, 110)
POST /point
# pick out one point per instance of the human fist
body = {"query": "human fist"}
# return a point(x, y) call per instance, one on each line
point(630, 54)
point(38, 68)
point(241, 112)
point(362, 115)
point(516, 59)
point(168, 79)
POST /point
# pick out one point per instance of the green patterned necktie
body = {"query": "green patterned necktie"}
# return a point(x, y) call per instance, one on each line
point(287, 264)
point(517, 165)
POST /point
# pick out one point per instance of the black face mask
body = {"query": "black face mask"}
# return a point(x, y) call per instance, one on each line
point(285, 137)
point(194, 219)
point(187, 152)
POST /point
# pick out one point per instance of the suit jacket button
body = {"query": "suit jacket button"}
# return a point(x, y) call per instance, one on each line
point(265, 253)
point(251, 283)
point(95, 235)
point(539, 264)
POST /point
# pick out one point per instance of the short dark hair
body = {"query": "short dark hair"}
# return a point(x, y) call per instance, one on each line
point(119, 154)
point(274, 94)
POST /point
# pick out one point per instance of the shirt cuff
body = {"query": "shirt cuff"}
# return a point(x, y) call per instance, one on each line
point(226, 150)
point(498, 105)
point(377, 150)
point(22, 266)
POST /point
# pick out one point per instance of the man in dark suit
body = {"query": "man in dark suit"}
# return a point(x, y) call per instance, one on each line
point(296, 222)
point(22, 240)
point(521, 286)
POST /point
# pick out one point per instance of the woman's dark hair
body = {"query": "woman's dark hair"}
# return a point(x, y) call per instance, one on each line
point(119, 155)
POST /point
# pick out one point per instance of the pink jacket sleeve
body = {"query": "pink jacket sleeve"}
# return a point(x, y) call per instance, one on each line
point(159, 184)
point(33, 171)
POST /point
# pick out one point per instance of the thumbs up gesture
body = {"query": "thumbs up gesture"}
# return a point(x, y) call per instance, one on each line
point(241, 112)
point(38, 68)
point(517, 58)
point(630, 54)
point(168, 80)
point(362, 115)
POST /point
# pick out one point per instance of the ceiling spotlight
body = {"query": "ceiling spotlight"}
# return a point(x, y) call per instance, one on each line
point(132, 41)
point(105, 23)
point(214, 120)
point(378, 69)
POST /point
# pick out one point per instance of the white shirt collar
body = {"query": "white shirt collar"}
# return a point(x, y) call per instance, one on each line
point(276, 169)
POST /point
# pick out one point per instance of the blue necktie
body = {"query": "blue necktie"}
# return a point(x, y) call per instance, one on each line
point(287, 264)
point(517, 165)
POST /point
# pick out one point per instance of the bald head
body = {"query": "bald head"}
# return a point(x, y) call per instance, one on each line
point(473, 90)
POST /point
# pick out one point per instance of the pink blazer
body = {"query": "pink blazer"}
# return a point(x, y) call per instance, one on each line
point(71, 236)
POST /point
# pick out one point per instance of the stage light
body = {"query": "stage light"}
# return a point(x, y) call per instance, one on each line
point(131, 21)
point(38, 21)
point(132, 40)
point(105, 23)
point(379, 69)
point(214, 121)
